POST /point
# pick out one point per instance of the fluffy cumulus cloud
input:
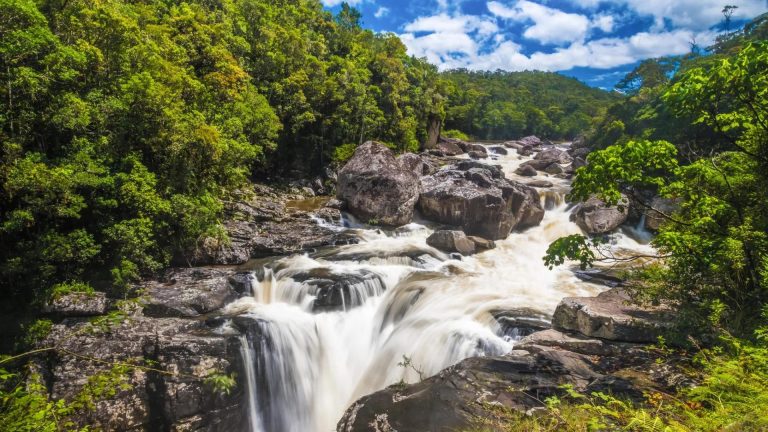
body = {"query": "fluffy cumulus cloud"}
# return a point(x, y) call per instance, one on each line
point(562, 35)
point(381, 12)
point(547, 25)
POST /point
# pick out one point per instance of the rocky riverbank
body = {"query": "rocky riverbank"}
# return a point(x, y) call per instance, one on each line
point(595, 344)
point(180, 331)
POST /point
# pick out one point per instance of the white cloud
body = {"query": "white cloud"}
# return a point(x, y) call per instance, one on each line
point(690, 14)
point(445, 23)
point(381, 12)
point(550, 26)
point(604, 53)
point(604, 22)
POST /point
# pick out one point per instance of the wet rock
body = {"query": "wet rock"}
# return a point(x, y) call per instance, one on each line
point(335, 204)
point(526, 171)
point(525, 151)
point(188, 292)
point(517, 323)
point(339, 291)
point(375, 187)
point(483, 204)
point(477, 155)
point(540, 184)
point(180, 400)
point(458, 396)
point(328, 214)
point(554, 169)
point(601, 277)
point(450, 148)
point(513, 145)
point(482, 243)
point(611, 316)
point(451, 241)
point(77, 304)
point(498, 150)
point(594, 217)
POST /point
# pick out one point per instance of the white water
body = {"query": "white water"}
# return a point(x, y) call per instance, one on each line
point(309, 367)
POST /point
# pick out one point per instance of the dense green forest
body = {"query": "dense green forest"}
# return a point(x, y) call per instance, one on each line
point(503, 105)
point(693, 130)
point(124, 124)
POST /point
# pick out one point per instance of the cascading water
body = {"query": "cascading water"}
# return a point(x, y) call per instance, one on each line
point(326, 329)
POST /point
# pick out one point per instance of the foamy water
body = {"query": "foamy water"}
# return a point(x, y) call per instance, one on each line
point(305, 368)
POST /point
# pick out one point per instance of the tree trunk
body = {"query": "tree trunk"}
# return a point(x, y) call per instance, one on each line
point(434, 125)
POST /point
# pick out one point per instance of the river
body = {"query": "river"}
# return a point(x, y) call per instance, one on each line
point(411, 311)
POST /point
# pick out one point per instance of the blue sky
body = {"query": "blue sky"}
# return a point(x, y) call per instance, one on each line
point(596, 41)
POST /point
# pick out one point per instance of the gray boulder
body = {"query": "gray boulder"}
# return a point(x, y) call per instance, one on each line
point(451, 241)
point(449, 148)
point(526, 171)
point(553, 155)
point(376, 187)
point(189, 292)
point(477, 198)
point(612, 316)
point(595, 217)
point(477, 155)
point(77, 304)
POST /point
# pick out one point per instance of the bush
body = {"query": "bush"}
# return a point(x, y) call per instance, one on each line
point(454, 133)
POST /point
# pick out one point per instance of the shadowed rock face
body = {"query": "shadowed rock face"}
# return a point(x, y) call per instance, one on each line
point(339, 291)
point(376, 187)
point(477, 198)
point(154, 401)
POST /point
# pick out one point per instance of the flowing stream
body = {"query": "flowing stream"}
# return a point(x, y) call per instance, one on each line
point(405, 312)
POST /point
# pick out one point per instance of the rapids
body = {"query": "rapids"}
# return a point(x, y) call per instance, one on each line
point(420, 312)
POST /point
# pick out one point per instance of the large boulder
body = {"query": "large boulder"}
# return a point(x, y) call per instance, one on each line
point(459, 397)
point(612, 316)
point(595, 217)
point(189, 292)
point(77, 304)
point(553, 155)
point(449, 148)
point(377, 188)
point(477, 198)
point(526, 171)
point(451, 241)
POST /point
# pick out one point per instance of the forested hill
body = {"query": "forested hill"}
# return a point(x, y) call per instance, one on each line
point(124, 124)
point(499, 105)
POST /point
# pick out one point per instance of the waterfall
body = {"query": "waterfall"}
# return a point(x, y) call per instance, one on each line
point(321, 331)
point(246, 354)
